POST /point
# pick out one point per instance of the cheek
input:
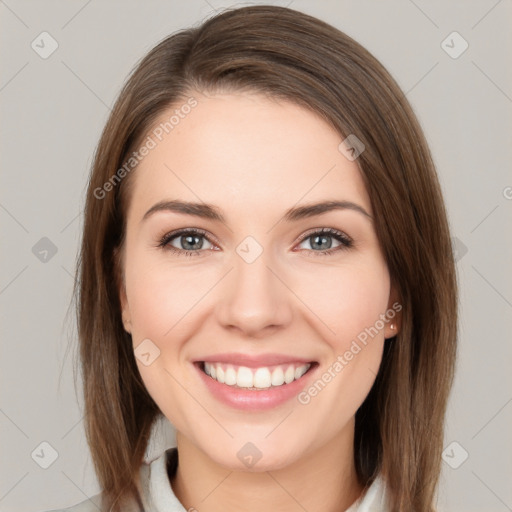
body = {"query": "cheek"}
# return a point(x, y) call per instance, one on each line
point(346, 299)
point(351, 306)
point(161, 300)
point(351, 303)
point(161, 296)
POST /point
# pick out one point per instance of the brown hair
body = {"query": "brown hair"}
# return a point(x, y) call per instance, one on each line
point(289, 55)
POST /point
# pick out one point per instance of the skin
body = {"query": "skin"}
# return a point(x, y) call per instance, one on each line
point(254, 158)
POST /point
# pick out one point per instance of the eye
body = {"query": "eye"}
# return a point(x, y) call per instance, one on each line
point(190, 242)
point(186, 242)
point(322, 239)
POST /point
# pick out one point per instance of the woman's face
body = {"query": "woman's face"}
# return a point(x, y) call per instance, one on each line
point(254, 293)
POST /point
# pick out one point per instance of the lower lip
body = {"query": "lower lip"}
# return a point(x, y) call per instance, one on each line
point(255, 400)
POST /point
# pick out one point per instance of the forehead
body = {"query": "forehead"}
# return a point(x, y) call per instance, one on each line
point(244, 151)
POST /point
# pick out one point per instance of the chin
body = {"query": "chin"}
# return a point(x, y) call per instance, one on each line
point(254, 457)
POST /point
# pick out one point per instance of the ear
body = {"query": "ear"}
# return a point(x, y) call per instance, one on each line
point(393, 314)
point(125, 310)
point(121, 287)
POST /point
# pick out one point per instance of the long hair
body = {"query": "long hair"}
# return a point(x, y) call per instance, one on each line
point(287, 55)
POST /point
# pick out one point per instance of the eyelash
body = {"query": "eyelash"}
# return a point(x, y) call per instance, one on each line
point(346, 241)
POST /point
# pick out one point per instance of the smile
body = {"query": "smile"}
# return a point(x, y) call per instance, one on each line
point(264, 377)
point(255, 388)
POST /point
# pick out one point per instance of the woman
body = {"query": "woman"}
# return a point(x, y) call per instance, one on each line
point(266, 262)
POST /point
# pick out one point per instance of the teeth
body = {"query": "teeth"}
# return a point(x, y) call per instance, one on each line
point(230, 378)
point(300, 371)
point(262, 378)
point(259, 378)
point(289, 374)
point(278, 377)
point(244, 377)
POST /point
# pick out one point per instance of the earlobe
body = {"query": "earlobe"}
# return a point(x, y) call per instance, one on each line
point(393, 315)
point(127, 326)
point(125, 311)
point(391, 330)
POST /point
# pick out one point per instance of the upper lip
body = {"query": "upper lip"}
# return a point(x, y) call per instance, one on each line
point(253, 361)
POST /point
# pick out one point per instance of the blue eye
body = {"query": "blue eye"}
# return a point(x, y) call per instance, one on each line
point(192, 241)
point(322, 239)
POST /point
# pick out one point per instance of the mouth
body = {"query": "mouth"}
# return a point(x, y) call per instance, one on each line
point(262, 378)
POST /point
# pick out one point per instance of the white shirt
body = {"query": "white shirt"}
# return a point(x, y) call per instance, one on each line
point(158, 496)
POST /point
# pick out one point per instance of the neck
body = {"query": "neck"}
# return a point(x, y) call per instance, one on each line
point(200, 483)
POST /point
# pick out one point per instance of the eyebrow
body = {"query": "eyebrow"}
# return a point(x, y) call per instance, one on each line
point(208, 211)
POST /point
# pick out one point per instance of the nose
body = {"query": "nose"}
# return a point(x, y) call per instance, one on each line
point(254, 298)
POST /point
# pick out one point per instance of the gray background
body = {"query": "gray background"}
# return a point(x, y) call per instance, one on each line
point(52, 112)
